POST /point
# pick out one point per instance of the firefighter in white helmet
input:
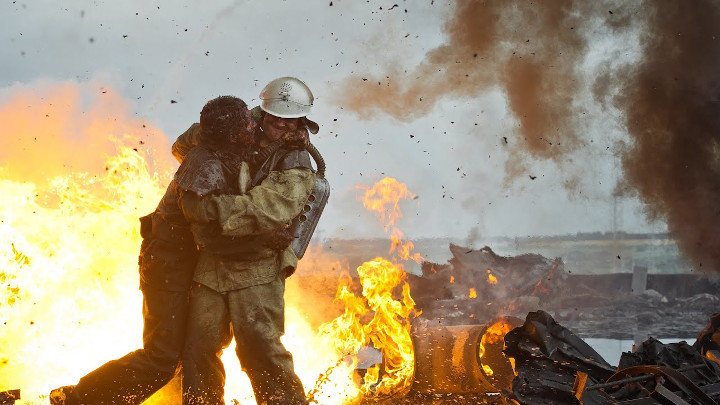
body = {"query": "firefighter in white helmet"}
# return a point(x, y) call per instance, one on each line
point(242, 294)
point(285, 101)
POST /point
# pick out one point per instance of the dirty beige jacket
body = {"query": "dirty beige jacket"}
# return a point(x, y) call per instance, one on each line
point(269, 205)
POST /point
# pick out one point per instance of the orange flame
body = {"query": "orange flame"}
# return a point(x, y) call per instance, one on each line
point(389, 328)
point(68, 235)
point(494, 334)
point(472, 294)
point(383, 198)
point(491, 278)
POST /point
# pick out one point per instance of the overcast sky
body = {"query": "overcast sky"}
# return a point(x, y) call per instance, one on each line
point(167, 58)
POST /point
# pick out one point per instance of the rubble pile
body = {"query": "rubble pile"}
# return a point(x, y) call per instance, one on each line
point(476, 285)
point(547, 358)
point(462, 298)
point(481, 284)
point(554, 366)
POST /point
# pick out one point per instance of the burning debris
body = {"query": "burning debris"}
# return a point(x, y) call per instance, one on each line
point(554, 366)
point(462, 359)
point(458, 340)
point(504, 284)
point(476, 285)
point(9, 397)
point(708, 341)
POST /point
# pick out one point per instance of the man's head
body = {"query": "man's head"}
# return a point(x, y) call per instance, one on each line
point(226, 122)
point(286, 101)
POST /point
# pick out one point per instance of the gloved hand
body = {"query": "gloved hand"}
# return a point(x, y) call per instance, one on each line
point(298, 139)
point(279, 239)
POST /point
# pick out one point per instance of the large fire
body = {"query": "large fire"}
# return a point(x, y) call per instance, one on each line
point(380, 318)
point(75, 177)
point(69, 241)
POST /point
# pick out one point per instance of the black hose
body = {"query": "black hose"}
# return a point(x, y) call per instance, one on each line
point(318, 159)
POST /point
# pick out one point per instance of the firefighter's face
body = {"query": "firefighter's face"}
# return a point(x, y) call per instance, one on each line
point(275, 127)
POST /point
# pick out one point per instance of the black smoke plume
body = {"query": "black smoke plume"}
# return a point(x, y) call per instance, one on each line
point(533, 51)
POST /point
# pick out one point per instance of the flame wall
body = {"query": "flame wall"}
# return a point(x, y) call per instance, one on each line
point(73, 189)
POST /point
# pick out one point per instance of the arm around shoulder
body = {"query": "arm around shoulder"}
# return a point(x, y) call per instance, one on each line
point(270, 205)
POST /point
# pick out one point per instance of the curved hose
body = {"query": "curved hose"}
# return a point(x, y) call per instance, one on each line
point(318, 159)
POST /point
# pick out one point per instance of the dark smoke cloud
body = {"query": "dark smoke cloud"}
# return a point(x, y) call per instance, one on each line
point(532, 51)
point(529, 49)
point(672, 110)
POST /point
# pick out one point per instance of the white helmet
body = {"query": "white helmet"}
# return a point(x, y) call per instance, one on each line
point(286, 97)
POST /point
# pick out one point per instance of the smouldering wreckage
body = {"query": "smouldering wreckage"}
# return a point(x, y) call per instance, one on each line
point(500, 360)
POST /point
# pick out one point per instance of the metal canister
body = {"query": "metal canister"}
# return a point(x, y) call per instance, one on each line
point(448, 359)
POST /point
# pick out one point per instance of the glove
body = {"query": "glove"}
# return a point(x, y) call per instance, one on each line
point(279, 239)
point(298, 139)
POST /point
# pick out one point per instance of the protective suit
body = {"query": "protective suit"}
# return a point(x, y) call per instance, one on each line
point(168, 258)
point(240, 294)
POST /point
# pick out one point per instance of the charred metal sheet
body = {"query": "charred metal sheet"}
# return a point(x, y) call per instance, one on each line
point(547, 359)
point(656, 392)
point(9, 397)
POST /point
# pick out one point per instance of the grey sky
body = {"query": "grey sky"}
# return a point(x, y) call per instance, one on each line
point(453, 159)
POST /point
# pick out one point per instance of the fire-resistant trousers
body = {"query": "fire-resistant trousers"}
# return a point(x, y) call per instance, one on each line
point(134, 377)
point(256, 317)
